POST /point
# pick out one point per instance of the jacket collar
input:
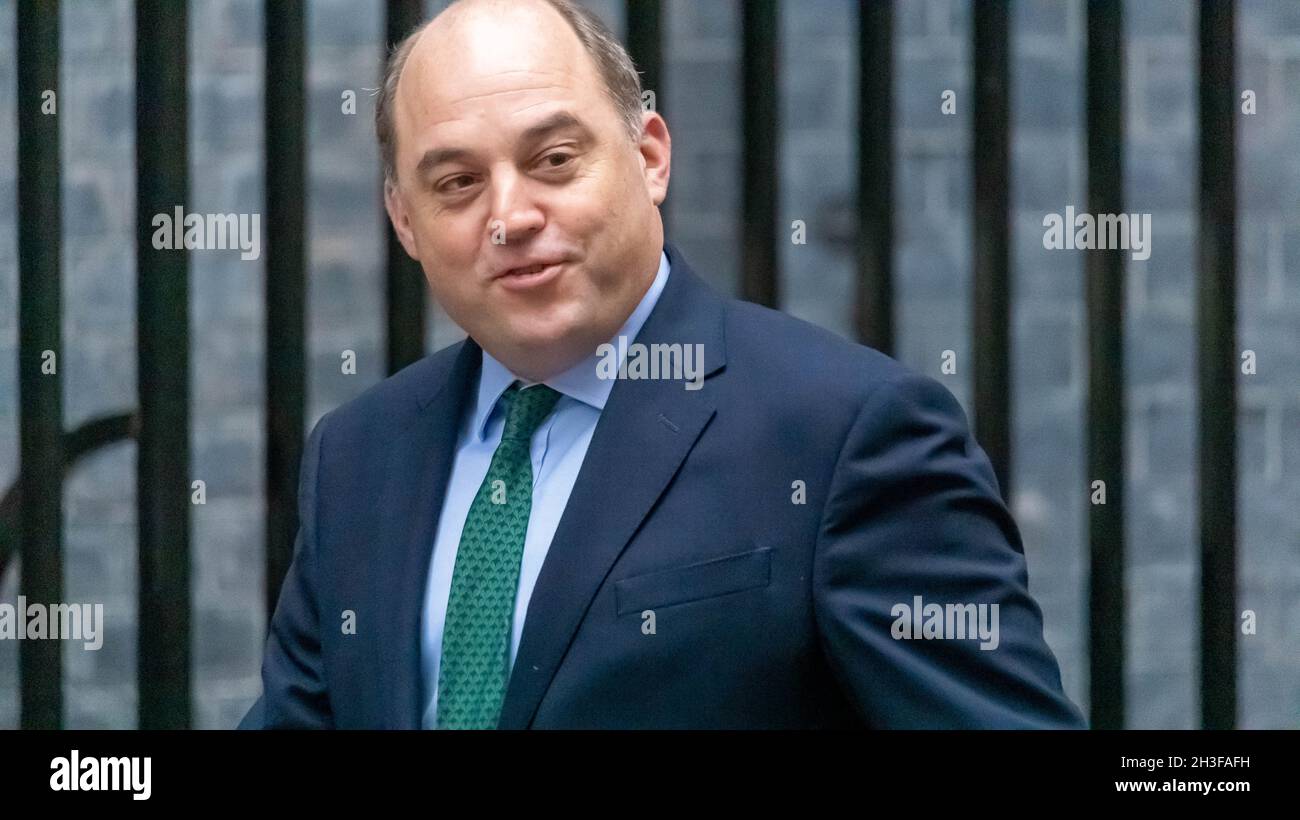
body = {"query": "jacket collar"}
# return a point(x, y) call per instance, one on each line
point(582, 381)
point(649, 423)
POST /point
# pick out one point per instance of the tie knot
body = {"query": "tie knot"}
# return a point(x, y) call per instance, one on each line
point(526, 410)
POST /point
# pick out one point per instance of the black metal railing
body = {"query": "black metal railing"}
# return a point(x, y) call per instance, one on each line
point(1104, 272)
point(40, 310)
point(31, 512)
point(1216, 326)
point(286, 282)
point(404, 281)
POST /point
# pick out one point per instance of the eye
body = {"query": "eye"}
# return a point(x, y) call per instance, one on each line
point(564, 159)
point(450, 187)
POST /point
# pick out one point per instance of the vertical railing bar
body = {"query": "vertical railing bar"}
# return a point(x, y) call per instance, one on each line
point(1217, 363)
point(285, 282)
point(644, 23)
point(874, 313)
point(759, 134)
point(1105, 306)
point(992, 281)
point(405, 292)
point(162, 328)
point(40, 407)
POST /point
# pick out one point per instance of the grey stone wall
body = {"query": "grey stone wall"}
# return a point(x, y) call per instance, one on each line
point(701, 103)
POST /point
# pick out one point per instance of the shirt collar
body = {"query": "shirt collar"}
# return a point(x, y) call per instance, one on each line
point(579, 382)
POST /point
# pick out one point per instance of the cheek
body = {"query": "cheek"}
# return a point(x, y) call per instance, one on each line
point(451, 238)
point(602, 196)
point(449, 245)
point(622, 215)
point(440, 287)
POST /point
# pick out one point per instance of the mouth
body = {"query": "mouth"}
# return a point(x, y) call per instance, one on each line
point(530, 276)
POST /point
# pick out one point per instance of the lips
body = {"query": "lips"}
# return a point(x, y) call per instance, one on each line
point(528, 277)
point(525, 271)
point(529, 269)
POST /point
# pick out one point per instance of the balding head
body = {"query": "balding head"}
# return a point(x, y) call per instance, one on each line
point(525, 177)
point(610, 60)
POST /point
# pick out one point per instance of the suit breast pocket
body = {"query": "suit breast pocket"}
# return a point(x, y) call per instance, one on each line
point(693, 582)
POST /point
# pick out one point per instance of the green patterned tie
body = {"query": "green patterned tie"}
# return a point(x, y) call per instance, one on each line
point(480, 612)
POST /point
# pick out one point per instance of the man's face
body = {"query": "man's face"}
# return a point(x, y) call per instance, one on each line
point(510, 153)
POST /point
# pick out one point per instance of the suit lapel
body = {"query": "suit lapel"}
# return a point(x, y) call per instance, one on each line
point(419, 466)
point(644, 434)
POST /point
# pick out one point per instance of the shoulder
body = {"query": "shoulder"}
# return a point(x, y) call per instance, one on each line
point(393, 403)
point(813, 390)
point(793, 356)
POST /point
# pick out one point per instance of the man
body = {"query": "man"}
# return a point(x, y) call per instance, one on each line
point(536, 528)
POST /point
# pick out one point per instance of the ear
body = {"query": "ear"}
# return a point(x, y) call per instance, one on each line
point(656, 149)
point(401, 222)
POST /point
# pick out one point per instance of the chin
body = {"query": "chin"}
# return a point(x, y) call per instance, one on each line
point(553, 324)
point(556, 338)
point(534, 339)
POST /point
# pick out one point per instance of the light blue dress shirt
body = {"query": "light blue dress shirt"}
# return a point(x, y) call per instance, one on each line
point(557, 448)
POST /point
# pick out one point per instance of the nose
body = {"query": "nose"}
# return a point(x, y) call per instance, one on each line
point(516, 214)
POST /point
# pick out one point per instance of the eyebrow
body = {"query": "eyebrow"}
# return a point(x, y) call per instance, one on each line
point(559, 121)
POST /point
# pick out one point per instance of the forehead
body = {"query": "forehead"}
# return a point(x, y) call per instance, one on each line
point(502, 58)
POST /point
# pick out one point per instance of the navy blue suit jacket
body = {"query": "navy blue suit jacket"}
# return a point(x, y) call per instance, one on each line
point(767, 612)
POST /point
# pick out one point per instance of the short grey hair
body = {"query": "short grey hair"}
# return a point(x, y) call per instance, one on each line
point(613, 63)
